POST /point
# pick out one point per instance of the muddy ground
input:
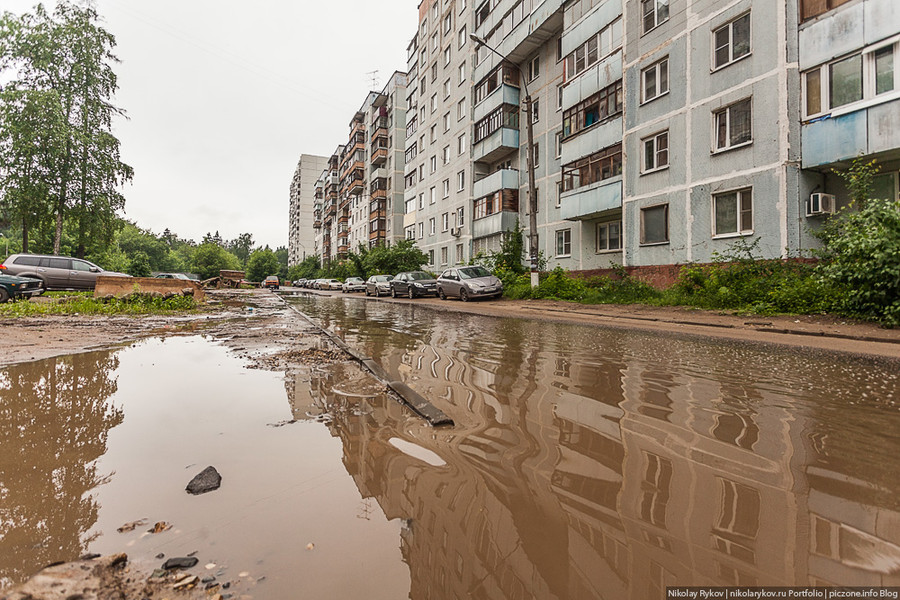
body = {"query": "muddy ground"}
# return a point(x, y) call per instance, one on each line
point(260, 327)
point(253, 320)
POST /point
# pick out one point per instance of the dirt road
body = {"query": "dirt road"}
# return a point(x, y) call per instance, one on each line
point(229, 313)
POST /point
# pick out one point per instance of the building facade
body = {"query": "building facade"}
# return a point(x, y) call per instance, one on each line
point(301, 221)
point(665, 131)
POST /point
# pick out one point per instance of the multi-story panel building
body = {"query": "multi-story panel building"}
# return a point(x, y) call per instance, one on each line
point(438, 166)
point(387, 117)
point(301, 217)
point(849, 57)
point(328, 187)
point(527, 33)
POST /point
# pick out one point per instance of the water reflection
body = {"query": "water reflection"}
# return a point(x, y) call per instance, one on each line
point(591, 463)
point(55, 417)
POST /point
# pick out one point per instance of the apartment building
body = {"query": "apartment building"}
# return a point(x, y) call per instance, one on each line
point(301, 231)
point(849, 55)
point(438, 169)
point(325, 219)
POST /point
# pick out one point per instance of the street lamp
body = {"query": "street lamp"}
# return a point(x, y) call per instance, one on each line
point(529, 159)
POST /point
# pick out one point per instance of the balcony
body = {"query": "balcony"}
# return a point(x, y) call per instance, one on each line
point(379, 156)
point(317, 224)
point(590, 201)
point(505, 179)
point(863, 132)
point(505, 94)
point(331, 209)
point(343, 219)
point(505, 220)
point(379, 194)
point(502, 142)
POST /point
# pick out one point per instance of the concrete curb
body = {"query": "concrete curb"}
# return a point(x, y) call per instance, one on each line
point(411, 398)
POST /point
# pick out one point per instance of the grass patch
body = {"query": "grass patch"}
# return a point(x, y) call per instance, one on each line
point(83, 303)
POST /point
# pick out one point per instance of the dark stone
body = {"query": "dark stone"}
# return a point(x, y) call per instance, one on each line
point(180, 562)
point(208, 579)
point(226, 585)
point(206, 481)
point(160, 556)
point(90, 556)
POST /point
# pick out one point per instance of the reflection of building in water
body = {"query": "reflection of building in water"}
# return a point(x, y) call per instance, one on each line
point(55, 418)
point(612, 475)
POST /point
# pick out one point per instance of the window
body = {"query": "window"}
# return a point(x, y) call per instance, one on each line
point(422, 201)
point(609, 236)
point(534, 68)
point(597, 167)
point(445, 155)
point(432, 134)
point(656, 152)
point(431, 255)
point(433, 104)
point(461, 144)
point(411, 153)
point(564, 242)
point(444, 255)
point(421, 230)
point(446, 122)
point(604, 104)
point(558, 144)
point(461, 109)
point(507, 200)
point(733, 125)
point(461, 181)
point(448, 23)
point(860, 76)
point(433, 164)
point(462, 37)
point(502, 74)
point(733, 212)
point(655, 80)
point(559, 54)
point(537, 155)
point(434, 42)
point(559, 97)
point(445, 221)
point(459, 254)
point(654, 12)
point(460, 217)
point(410, 232)
point(431, 229)
point(461, 73)
point(432, 196)
point(446, 187)
point(731, 42)
point(505, 115)
point(535, 110)
point(447, 56)
point(446, 89)
point(595, 49)
point(655, 224)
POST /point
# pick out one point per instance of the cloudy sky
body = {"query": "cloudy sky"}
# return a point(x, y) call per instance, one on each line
point(224, 96)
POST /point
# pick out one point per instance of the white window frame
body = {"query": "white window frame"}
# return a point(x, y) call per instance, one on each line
point(653, 142)
point(448, 56)
point(431, 226)
point(534, 68)
point(657, 21)
point(559, 97)
point(563, 243)
point(869, 97)
point(731, 57)
point(743, 198)
point(433, 164)
point(461, 73)
point(421, 229)
point(445, 186)
point(726, 111)
point(445, 221)
point(461, 181)
point(605, 226)
point(461, 147)
point(537, 155)
point(462, 37)
point(432, 198)
point(536, 110)
point(446, 122)
point(461, 109)
point(660, 70)
point(445, 155)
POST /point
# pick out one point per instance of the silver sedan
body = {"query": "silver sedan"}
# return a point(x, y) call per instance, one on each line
point(468, 282)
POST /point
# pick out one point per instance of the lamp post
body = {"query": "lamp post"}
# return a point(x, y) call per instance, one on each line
point(529, 160)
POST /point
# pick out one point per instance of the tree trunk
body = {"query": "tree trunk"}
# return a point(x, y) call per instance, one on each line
point(25, 235)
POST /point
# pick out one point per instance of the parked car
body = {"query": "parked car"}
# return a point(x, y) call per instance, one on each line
point(12, 287)
point(468, 282)
point(353, 284)
point(377, 285)
point(57, 272)
point(181, 276)
point(412, 284)
point(330, 284)
point(271, 282)
point(299, 282)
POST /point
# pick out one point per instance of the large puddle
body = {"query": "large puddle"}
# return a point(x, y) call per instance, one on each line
point(585, 462)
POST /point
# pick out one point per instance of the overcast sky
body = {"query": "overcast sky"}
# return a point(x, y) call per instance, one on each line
point(224, 96)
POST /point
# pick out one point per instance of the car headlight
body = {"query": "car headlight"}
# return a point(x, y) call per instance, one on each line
point(417, 284)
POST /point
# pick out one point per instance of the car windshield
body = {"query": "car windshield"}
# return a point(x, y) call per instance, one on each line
point(472, 272)
point(419, 275)
point(383, 278)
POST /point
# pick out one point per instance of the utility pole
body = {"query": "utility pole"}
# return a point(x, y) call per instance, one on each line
point(529, 164)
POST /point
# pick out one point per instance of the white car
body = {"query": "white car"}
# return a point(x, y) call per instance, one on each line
point(330, 284)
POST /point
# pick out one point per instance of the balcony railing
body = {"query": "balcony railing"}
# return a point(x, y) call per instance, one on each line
point(379, 155)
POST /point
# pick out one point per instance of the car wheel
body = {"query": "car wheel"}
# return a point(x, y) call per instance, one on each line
point(366, 291)
point(4, 296)
point(411, 293)
point(393, 292)
point(441, 294)
point(463, 295)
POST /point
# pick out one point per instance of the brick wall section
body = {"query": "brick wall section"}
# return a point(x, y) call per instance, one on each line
point(120, 286)
point(661, 276)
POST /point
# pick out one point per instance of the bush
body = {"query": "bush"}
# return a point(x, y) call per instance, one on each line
point(861, 260)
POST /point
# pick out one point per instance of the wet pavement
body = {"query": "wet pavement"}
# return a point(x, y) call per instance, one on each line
point(584, 463)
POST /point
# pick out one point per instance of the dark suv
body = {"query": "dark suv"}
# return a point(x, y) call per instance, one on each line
point(56, 272)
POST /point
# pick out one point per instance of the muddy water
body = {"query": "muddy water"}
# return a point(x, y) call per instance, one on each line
point(593, 463)
point(94, 441)
point(585, 463)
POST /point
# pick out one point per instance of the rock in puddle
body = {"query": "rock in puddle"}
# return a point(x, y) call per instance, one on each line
point(206, 480)
point(180, 562)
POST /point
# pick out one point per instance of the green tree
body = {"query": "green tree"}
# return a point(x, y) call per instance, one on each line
point(262, 263)
point(308, 268)
point(402, 256)
point(241, 246)
point(139, 265)
point(281, 253)
point(210, 258)
point(69, 56)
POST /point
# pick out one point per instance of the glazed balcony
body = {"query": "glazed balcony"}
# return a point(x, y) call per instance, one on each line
point(317, 224)
point(500, 143)
point(592, 200)
point(504, 179)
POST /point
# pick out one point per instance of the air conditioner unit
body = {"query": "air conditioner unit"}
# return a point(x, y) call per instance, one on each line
point(455, 231)
point(820, 204)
